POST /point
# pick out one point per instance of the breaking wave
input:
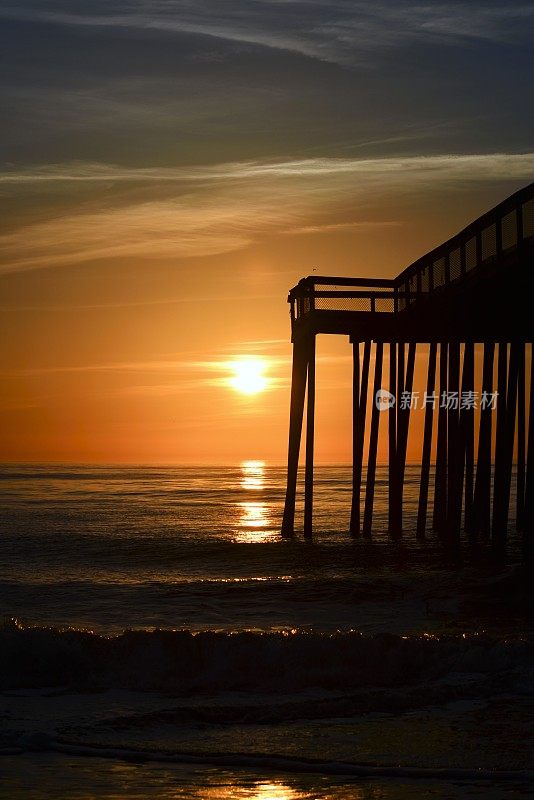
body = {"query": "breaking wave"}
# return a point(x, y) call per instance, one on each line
point(184, 661)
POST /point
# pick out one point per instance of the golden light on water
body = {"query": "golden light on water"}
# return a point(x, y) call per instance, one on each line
point(253, 475)
point(249, 375)
point(255, 516)
point(273, 791)
point(255, 523)
point(260, 791)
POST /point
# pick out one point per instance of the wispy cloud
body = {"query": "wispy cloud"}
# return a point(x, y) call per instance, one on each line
point(168, 301)
point(208, 210)
point(176, 366)
point(470, 166)
point(165, 376)
point(336, 227)
point(143, 367)
point(344, 32)
point(263, 346)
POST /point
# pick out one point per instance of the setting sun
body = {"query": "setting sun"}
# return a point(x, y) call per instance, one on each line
point(249, 375)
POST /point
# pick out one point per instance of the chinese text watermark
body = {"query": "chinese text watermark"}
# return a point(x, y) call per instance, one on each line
point(452, 401)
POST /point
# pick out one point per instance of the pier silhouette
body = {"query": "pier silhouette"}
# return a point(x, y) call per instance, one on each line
point(474, 289)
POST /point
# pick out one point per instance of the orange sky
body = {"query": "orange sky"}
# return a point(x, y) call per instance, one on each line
point(165, 185)
point(128, 359)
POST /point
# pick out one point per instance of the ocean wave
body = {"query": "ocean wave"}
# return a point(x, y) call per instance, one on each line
point(183, 661)
point(283, 763)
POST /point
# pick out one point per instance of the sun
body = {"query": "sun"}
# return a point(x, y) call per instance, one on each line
point(249, 375)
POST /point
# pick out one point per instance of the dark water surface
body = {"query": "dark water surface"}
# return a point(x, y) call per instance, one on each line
point(159, 611)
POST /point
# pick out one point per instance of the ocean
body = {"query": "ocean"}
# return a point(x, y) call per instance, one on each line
point(161, 639)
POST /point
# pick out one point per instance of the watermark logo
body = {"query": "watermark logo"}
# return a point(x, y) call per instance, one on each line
point(452, 401)
point(384, 400)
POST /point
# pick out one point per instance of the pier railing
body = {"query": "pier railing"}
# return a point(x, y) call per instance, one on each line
point(495, 234)
point(362, 295)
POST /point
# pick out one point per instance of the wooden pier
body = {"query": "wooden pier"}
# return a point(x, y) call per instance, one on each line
point(473, 291)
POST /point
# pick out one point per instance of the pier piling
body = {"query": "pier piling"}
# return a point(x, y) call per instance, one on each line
point(373, 445)
point(440, 477)
point(310, 435)
point(427, 442)
point(360, 386)
point(296, 413)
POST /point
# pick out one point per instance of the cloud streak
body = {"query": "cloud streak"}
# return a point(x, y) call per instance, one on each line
point(208, 210)
point(339, 227)
point(343, 32)
point(493, 165)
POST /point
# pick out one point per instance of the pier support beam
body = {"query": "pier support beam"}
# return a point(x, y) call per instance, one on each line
point(392, 433)
point(310, 435)
point(296, 413)
point(427, 443)
point(454, 486)
point(405, 381)
point(528, 534)
point(440, 479)
point(467, 432)
point(458, 487)
point(520, 479)
point(482, 500)
point(506, 417)
point(360, 384)
point(498, 534)
point(373, 445)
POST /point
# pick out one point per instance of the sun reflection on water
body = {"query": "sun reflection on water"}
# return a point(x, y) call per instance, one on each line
point(255, 516)
point(278, 790)
point(260, 791)
point(274, 791)
point(253, 475)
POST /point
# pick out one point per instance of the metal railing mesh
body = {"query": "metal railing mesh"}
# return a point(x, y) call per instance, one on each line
point(439, 272)
point(489, 242)
point(528, 219)
point(509, 230)
point(343, 304)
point(455, 264)
point(471, 253)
